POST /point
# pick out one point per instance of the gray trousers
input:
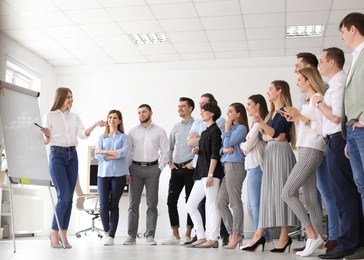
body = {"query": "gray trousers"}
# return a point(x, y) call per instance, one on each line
point(230, 193)
point(140, 176)
point(304, 175)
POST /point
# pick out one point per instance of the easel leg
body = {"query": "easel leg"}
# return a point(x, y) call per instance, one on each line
point(12, 214)
point(55, 214)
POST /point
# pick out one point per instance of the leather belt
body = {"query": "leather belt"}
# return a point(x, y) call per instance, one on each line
point(144, 164)
point(328, 137)
point(180, 165)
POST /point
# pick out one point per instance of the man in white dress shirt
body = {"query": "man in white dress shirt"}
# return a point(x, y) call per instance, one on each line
point(147, 143)
point(347, 198)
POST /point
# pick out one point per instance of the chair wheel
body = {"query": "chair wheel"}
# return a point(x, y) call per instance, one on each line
point(99, 235)
point(78, 235)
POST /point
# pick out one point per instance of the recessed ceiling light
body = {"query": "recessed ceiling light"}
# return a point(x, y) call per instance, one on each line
point(305, 31)
point(149, 38)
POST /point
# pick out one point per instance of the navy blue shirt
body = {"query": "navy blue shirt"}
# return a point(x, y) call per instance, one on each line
point(280, 125)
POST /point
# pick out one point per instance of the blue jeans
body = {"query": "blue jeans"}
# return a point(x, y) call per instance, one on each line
point(355, 142)
point(110, 190)
point(254, 184)
point(63, 167)
point(324, 185)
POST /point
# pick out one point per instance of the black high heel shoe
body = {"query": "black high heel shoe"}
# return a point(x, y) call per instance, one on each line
point(252, 248)
point(281, 250)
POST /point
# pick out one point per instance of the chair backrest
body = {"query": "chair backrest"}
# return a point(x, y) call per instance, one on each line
point(80, 196)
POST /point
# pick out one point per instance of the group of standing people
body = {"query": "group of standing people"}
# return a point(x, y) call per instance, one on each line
point(224, 151)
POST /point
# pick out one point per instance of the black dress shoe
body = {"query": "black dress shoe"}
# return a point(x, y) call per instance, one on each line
point(332, 255)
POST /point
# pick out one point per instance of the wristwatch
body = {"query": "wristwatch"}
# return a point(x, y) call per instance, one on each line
point(211, 175)
point(317, 104)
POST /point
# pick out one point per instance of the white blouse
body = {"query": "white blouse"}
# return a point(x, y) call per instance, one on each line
point(253, 148)
point(64, 128)
point(311, 135)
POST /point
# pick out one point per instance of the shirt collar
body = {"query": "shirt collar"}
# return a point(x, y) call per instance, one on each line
point(339, 74)
point(188, 121)
point(357, 50)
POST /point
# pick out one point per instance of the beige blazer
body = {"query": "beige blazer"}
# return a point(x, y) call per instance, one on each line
point(353, 107)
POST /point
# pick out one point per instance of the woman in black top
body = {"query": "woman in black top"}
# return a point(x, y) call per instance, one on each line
point(208, 174)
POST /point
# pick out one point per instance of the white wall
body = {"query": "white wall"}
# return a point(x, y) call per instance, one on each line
point(96, 90)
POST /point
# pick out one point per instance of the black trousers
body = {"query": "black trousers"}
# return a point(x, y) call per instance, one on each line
point(181, 177)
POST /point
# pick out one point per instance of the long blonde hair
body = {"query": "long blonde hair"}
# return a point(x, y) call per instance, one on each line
point(286, 100)
point(313, 75)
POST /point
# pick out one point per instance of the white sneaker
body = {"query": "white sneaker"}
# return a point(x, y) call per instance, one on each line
point(109, 241)
point(311, 246)
point(151, 241)
point(184, 240)
point(172, 241)
point(129, 241)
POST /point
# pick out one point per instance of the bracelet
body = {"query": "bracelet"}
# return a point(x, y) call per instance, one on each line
point(210, 175)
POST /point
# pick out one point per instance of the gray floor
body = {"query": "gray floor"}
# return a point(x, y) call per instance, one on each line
point(90, 248)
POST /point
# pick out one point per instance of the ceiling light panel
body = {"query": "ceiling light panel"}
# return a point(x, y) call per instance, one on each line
point(149, 38)
point(300, 31)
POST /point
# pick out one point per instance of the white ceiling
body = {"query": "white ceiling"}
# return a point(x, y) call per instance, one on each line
point(88, 32)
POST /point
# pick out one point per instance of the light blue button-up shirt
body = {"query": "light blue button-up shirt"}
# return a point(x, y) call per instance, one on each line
point(113, 168)
point(233, 138)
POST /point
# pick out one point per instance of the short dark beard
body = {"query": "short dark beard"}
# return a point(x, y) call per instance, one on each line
point(145, 120)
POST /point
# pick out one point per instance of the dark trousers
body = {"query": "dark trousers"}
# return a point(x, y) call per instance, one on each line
point(110, 190)
point(181, 177)
point(347, 197)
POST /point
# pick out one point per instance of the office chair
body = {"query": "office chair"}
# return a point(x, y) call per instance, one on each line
point(93, 210)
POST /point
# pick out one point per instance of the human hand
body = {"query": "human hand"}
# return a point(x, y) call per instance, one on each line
point(101, 123)
point(292, 113)
point(189, 165)
point(229, 150)
point(193, 135)
point(209, 182)
point(317, 98)
point(281, 137)
point(256, 118)
point(194, 150)
point(172, 165)
point(357, 124)
point(228, 124)
point(128, 179)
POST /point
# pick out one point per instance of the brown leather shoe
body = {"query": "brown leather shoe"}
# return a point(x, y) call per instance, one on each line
point(298, 249)
point(330, 245)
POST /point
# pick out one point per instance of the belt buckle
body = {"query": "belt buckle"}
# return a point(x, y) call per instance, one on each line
point(143, 164)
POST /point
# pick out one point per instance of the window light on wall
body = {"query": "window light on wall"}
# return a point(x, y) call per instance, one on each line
point(305, 31)
point(149, 38)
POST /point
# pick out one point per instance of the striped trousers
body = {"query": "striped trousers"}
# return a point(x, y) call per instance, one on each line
point(304, 175)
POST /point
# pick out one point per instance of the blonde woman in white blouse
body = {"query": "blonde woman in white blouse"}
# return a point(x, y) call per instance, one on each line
point(310, 155)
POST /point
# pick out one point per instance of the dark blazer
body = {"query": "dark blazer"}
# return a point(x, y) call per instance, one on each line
point(353, 107)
